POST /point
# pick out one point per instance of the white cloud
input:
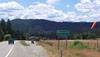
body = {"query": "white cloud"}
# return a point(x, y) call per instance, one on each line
point(90, 11)
point(10, 9)
point(84, 7)
point(10, 6)
point(37, 11)
point(85, 1)
point(52, 1)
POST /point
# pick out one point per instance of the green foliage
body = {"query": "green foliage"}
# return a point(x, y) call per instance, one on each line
point(7, 36)
point(77, 45)
point(76, 36)
point(88, 35)
point(85, 35)
point(9, 27)
point(1, 35)
point(3, 25)
point(6, 31)
point(97, 33)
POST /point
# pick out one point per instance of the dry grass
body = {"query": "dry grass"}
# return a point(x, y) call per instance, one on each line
point(54, 52)
point(24, 43)
point(90, 43)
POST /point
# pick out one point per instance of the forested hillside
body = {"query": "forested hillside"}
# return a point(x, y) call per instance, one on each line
point(7, 32)
point(32, 26)
point(45, 28)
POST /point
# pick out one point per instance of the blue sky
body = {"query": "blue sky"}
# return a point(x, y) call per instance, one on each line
point(54, 10)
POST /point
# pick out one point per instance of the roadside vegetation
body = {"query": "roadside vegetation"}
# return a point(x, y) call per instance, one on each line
point(24, 43)
point(78, 45)
point(75, 49)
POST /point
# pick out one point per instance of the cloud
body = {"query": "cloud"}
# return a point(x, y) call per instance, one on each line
point(7, 9)
point(44, 11)
point(84, 7)
point(37, 11)
point(10, 6)
point(85, 1)
point(52, 1)
point(90, 9)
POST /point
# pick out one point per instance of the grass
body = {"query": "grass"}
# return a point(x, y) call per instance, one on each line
point(78, 45)
point(54, 52)
point(24, 43)
point(90, 43)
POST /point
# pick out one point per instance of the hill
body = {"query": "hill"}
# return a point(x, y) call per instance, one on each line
point(38, 26)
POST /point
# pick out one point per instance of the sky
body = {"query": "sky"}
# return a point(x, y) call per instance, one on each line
point(53, 10)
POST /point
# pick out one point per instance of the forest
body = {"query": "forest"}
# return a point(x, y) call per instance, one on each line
point(6, 30)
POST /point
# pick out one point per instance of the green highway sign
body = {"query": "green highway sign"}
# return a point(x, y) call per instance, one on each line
point(63, 32)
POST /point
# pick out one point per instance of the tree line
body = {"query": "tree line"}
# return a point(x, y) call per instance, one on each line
point(6, 29)
point(93, 34)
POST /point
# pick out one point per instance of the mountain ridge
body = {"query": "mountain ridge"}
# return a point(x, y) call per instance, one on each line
point(40, 25)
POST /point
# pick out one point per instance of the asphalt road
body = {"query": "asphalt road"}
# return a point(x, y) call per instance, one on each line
point(18, 50)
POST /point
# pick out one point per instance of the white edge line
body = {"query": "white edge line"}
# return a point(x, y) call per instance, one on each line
point(9, 51)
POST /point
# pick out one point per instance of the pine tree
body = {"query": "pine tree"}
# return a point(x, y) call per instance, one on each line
point(9, 27)
point(3, 25)
point(1, 35)
point(23, 36)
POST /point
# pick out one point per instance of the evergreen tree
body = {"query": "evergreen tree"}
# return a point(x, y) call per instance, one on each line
point(23, 37)
point(3, 25)
point(6, 29)
point(9, 27)
point(1, 35)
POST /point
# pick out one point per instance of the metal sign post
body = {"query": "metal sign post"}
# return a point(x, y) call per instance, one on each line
point(62, 33)
point(97, 44)
point(58, 42)
point(66, 41)
point(61, 50)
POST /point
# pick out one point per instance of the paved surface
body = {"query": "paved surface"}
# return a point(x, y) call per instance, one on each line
point(4, 49)
point(18, 50)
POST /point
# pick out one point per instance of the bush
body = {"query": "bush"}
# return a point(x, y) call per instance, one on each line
point(77, 45)
point(7, 36)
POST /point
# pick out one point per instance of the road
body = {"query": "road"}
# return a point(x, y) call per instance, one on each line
point(18, 50)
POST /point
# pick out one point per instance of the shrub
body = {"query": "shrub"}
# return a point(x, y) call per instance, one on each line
point(7, 36)
point(77, 44)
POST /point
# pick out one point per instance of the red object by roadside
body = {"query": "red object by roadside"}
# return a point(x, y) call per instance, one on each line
point(94, 24)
